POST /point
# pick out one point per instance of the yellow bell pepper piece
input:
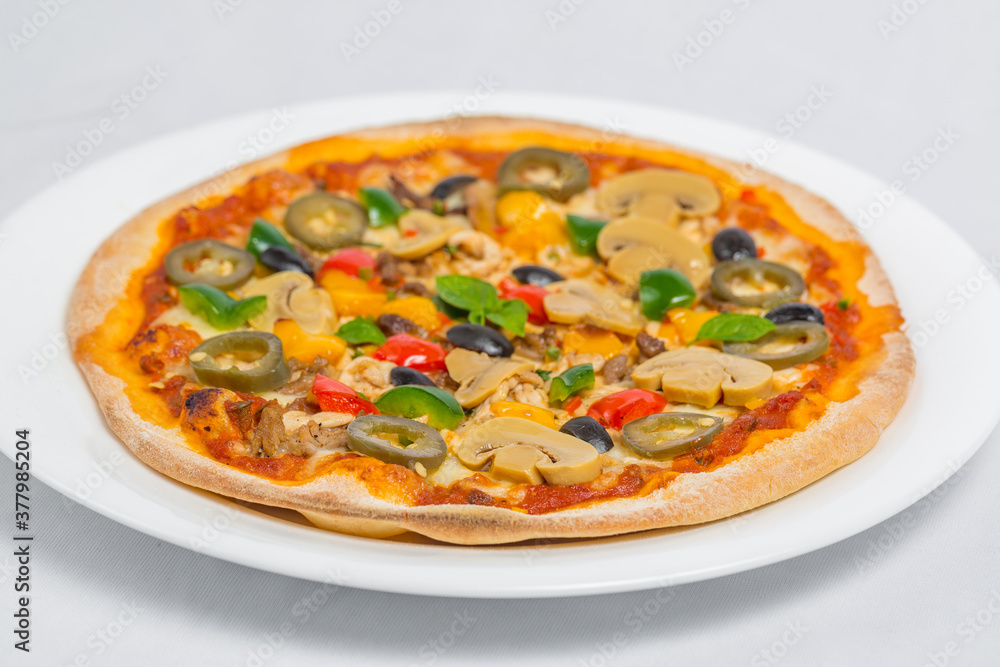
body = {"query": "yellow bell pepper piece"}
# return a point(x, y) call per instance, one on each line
point(352, 296)
point(688, 322)
point(418, 309)
point(591, 340)
point(528, 224)
point(305, 346)
point(524, 411)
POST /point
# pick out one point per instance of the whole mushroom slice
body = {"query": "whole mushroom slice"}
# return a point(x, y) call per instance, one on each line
point(292, 295)
point(632, 245)
point(422, 232)
point(479, 374)
point(559, 458)
point(702, 376)
point(577, 300)
point(662, 194)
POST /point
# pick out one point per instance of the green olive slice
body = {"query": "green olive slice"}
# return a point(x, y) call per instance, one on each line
point(397, 440)
point(758, 274)
point(789, 344)
point(555, 174)
point(209, 262)
point(324, 221)
point(251, 361)
point(670, 434)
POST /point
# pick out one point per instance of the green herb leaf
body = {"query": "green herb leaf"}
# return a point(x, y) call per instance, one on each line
point(844, 303)
point(511, 315)
point(544, 374)
point(663, 289)
point(573, 380)
point(467, 293)
point(457, 314)
point(361, 330)
point(583, 234)
point(553, 352)
point(383, 208)
point(734, 327)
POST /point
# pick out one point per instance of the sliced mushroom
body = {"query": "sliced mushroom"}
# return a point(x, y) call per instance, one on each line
point(295, 419)
point(702, 375)
point(292, 295)
point(661, 194)
point(481, 201)
point(633, 245)
point(573, 301)
point(422, 232)
point(479, 374)
point(561, 459)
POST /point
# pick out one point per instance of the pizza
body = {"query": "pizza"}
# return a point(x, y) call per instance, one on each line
point(486, 330)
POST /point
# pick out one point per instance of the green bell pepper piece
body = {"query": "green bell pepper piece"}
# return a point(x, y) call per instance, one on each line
point(218, 308)
point(663, 289)
point(583, 234)
point(573, 380)
point(264, 235)
point(383, 208)
point(412, 401)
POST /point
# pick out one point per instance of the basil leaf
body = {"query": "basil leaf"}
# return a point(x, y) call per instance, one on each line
point(511, 315)
point(383, 208)
point(361, 330)
point(734, 327)
point(570, 382)
point(467, 293)
point(663, 289)
point(457, 314)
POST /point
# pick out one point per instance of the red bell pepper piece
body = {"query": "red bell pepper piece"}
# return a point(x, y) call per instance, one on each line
point(406, 350)
point(532, 295)
point(351, 261)
point(616, 410)
point(334, 396)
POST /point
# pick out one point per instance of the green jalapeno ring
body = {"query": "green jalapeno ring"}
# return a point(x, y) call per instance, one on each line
point(268, 372)
point(757, 271)
point(812, 338)
point(418, 443)
point(656, 436)
point(194, 252)
point(572, 174)
point(324, 221)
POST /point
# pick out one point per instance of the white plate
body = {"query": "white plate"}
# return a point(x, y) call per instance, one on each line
point(46, 244)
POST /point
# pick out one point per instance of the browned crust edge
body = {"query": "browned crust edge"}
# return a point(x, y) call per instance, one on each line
point(845, 432)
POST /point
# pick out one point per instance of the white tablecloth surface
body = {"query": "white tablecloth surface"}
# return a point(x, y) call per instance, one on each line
point(884, 79)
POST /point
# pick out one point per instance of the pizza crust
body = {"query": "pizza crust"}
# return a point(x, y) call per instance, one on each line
point(844, 433)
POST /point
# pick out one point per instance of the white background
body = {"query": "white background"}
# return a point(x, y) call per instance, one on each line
point(901, 593)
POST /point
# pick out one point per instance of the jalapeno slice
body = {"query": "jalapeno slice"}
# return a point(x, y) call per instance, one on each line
point(209, 262)
point(396, 440)
point(324, 221)
point(256, 361)
point(757, 273)
point(670, 434)
point(789, 344)
point(555, 174)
